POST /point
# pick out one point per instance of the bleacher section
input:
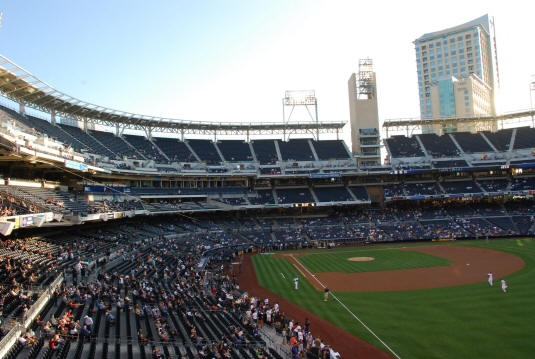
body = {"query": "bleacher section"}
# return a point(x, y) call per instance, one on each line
point(205, 150)
point(116, 144)
point(525, 138)
point(500, 139)
point(472, 143)
point(265, 151)
point(330, 149)
point(523, 184)
point(332, 194)
point(174, 149)
point(145, 147)
point(422, 189)
point(265, 196)
point(91, 144)
point(401, 146)
point(439, 146)
point(296, 150)
point(497, 185)
point(235, 150)
point(458, 187)
point(294, 195)
point(360, 193)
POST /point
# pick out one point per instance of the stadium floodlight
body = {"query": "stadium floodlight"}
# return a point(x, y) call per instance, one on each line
point(304, 98)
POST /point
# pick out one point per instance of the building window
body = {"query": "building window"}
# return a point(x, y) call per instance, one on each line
point(438, 44)
point(431, 46)
point(452, 40)
point(460, 38)
point(467, 36)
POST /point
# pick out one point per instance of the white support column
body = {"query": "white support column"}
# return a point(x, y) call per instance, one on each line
point(117, 130)
point(85, 124)
point(53, 117)
point(22, 108)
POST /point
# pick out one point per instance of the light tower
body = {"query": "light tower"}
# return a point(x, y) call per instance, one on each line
point(304, 99)
point(364, 114)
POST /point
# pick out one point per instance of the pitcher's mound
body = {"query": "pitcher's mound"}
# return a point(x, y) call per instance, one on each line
point(361, 259)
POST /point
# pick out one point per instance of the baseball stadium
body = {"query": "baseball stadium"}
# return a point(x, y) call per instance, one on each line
point(125, 235)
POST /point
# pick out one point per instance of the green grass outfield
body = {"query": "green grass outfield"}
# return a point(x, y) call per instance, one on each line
point(468, 321)
point(385, 259)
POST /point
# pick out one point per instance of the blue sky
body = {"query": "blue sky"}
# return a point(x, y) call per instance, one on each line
point(232, 60)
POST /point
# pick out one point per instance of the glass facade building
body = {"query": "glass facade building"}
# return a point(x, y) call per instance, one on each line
point(445, 58)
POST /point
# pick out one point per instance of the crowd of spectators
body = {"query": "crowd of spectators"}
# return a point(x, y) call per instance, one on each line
point(170, 294)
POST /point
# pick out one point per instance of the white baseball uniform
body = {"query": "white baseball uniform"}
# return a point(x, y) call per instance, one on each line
point(504, 286)
point(490, 279)
point(296, 282)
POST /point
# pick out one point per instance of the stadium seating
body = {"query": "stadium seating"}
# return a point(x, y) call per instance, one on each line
point(422, 189)
point(294, 195)
point(175, 150)
point(461, 187)
point(439, 146)
point(524, 138)
point(205, 150)
point(472, 143)
point(394, 190)
point(296, 150)
point(264, 196)
point(90, 144)
point(332, 194)
point(265, 151)
point(500, 139)
point(523, 184)
point(497, 185)
point(115, 144)
point(401, 146)
point(145, 147)
point(235, 150)
point(330, 149)
point(360, 193)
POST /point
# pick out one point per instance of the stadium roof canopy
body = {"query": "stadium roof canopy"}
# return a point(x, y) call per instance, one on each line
point(23, 87)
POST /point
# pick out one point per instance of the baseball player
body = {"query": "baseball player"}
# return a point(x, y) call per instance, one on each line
point(490, 279)
point(325, 294)
point(504, 286)
point(296, 282)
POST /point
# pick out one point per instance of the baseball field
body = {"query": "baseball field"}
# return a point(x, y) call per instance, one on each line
point(429, 300)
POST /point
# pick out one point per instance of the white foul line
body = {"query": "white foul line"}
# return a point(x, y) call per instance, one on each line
point(346, 308)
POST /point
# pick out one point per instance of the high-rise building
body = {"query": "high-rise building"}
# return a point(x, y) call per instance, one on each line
point(456, 72)
point(364, 115)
